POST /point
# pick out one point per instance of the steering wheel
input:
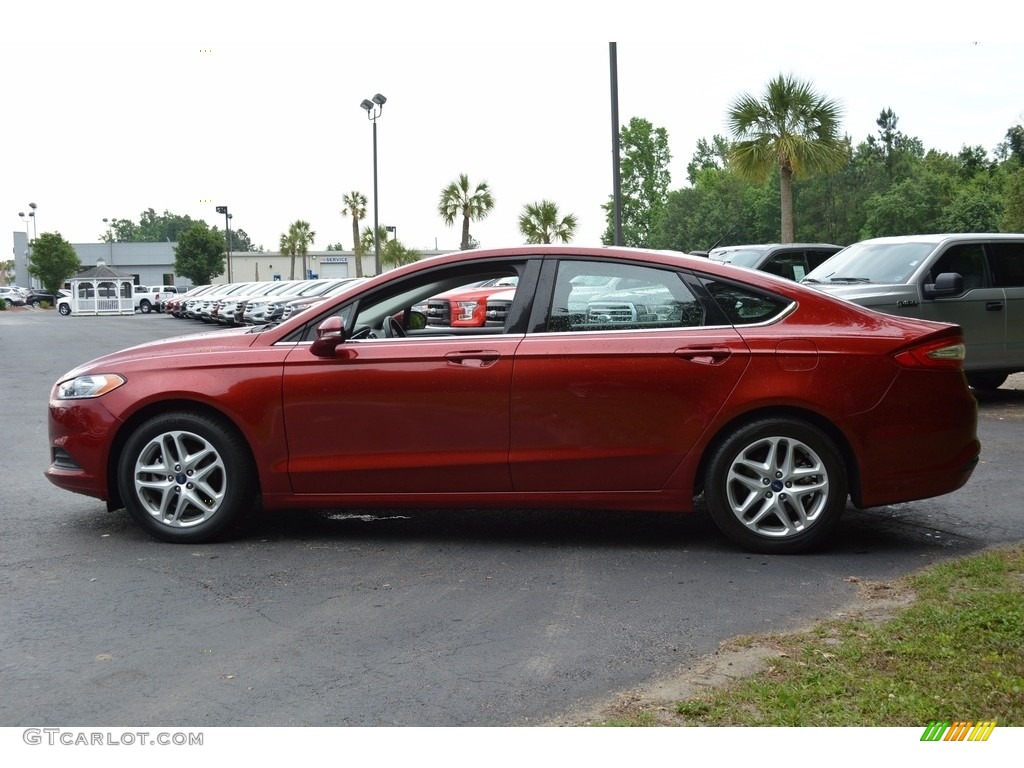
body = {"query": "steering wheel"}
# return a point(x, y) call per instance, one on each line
point(362, 333)
point(392, 328)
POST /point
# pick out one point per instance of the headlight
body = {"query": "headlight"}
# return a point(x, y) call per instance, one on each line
point(88, 386)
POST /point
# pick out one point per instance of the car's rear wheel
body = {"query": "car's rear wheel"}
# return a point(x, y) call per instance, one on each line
point(985, 380)
point(145, 307)
point(776, 486)
point(186, 477)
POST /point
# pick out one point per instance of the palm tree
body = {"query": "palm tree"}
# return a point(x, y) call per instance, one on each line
point(303, 236)
point(394, 254)
point(355, 206)
point(794, 129)
point(289, 247)
point(539, 223)
point(457, 200)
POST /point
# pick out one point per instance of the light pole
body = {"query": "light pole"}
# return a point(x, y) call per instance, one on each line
point(110, 237)
point(28, 240)
point(373, 109)
point(227, 234)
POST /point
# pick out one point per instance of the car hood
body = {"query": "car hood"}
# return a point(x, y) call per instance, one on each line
point(865, 294)
point(190, 344)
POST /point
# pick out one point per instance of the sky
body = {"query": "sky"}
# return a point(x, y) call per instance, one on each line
point(109, 111)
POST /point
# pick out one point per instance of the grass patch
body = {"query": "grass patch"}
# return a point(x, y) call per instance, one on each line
point(954, 653)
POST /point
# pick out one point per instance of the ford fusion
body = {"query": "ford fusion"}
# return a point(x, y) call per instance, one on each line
point(619, 379)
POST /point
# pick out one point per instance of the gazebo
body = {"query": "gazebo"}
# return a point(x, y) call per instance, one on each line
point(102, 290)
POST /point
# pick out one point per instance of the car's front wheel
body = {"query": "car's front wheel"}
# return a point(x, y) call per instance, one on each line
point(776, 486)
point(186, 477)
point(64, 309)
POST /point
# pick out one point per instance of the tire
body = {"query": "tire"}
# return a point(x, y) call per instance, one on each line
point(186, 477)
point(776, 486)
point(145, 307)
point(986, 380)
point(64, 309)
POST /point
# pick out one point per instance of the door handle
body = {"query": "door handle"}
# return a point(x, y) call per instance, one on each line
point(993, 306)
point(473, 358)
point(705, 355)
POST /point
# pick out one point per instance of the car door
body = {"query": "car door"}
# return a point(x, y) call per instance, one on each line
point(1007, 262)
point(423, 414)
point(611, 398)
point(980, 310)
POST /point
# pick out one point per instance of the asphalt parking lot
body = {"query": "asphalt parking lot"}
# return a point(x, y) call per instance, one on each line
point(427, 618)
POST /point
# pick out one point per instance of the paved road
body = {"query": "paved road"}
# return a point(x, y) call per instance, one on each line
point(406, 618)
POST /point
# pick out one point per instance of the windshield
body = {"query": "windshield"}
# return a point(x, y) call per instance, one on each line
point(886, 263)
point(743, 257)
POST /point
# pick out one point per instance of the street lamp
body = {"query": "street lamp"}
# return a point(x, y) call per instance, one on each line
point(373, 109)
point(227, 234)
point(110, 237)
point(28, 240)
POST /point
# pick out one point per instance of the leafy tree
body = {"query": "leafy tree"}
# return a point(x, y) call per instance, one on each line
point(241, 242)
point(1013, 147)
point(335, 246)
point(53, 260)
point(472, 205)
point(200, 254)
point(166, 227)
point(7, 272)
point(714, 155)
point(539, 223)
point(793, 130)
point(1013, 207)
point(644, 179)
point(355, 206)
point(973, 209)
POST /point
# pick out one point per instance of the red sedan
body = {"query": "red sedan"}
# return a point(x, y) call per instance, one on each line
point(776, 401)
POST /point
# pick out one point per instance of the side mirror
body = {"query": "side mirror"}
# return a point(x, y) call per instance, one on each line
point(946, 284)
point(416, 321)
point(329, 336)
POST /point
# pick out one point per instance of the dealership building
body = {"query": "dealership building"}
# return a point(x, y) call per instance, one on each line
point(153, 263)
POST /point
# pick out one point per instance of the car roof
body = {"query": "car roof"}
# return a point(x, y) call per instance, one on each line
point(946, 237)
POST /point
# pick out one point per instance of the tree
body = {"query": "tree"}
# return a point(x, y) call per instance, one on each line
point(539, 223)
point(289, 246)
point(713, 155)
point(793, 130)
point(53, 261)
point(1013, 209)
point(457, 200)
point(394, 254)
point(355, 206)
point(7, 272)
point(366, 238)
point(303, 236)
point(200, 253)
point(644, 178)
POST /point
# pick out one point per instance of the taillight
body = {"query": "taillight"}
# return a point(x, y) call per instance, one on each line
point(934, 354)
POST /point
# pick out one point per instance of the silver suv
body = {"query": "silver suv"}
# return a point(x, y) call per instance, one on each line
point(973, 280)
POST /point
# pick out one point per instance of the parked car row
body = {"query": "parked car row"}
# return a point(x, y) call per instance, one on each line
point(16, 296)
point(254, 303)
